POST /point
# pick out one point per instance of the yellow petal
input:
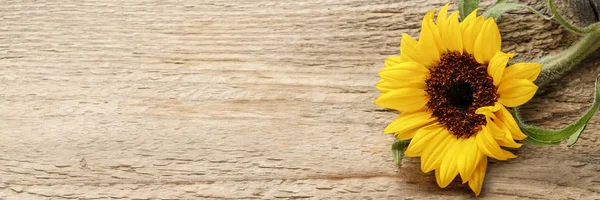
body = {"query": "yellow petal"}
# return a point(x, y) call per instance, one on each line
point(488, 42)
point(406, 135)
point(529, 71)
point(403, 99)
point(405, 74)
point(438, 177)
point(469, 158)
point(453, 34)
point(406, 66)
point(502, 137)
point(432, 155)
point(497, 128)
point(409, 120)
point(422, 139)
point(488, 110)
point(442, 15)
point(384, 87)
point(507, 118)
point(387, 86)
point(407, 130)
point(449, 166)
point(437, 35)
point(468, 20)
point(408, 123)
point(497, 65)
point(516, 92)
point(418, 83)
point(410, 50)
point(438, 40)
point(471, 31)
point(393, 60)
point(442, 22)
point(488, 145)
point(428, 40)
point(476, 180)
point(507, 134)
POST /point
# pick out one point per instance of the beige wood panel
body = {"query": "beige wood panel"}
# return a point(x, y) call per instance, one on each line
point(245, 100)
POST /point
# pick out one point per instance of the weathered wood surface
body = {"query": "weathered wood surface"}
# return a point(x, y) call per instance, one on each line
point(251, 100)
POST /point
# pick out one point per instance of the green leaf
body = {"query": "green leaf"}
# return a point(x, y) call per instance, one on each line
point(465, 7)
point(398, 150)
point(575, 136)
point(537, 135)
point(501, 6)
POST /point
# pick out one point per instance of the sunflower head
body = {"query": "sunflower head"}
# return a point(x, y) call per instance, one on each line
point(452, 87)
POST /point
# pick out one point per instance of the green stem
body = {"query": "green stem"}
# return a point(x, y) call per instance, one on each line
point(554, 66)
point(567, 25)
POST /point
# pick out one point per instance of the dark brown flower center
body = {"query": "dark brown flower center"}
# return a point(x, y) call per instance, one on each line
point(457, 87)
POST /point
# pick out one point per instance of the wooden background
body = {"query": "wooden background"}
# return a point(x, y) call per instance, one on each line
point(258, 99)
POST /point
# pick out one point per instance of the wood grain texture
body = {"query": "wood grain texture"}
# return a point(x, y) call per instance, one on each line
point(262, 99)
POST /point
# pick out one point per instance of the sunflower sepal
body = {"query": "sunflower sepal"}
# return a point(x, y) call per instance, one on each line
point(398, 148)
point(540, 136)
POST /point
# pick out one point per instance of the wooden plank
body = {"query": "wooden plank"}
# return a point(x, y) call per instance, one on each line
point(253, 100)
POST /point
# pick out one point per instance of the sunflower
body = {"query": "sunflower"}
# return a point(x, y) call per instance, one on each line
point(452, 88)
